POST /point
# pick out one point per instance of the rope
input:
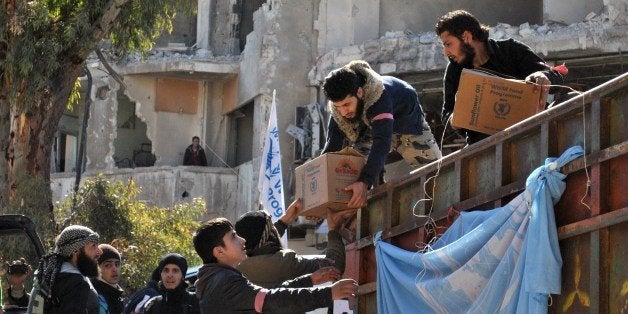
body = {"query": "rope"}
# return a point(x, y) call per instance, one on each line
point(221, 160)
point(584, 156)
point(431, 223)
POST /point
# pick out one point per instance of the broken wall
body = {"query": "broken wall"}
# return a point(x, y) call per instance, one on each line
point(401, 52)
point(170, 132)
point(165, 186)
point(223, 28)
point(345, 23)
point(216, 125)
point(568, 12)
point(131, 134)
point(101, 128)
point(277, 56)
point(183, 31)
point(419, 16)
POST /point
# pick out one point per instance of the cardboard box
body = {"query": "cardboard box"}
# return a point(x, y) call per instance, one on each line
point(320, 182)
point(489, 104)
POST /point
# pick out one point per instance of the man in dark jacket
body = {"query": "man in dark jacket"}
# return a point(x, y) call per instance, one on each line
point(269, 264)
point(221, 288)
point(106, 284)
point(375, 114)
point(135, 303)
point(174, 297)
point(466, 45)
point(62, 276)
point(194, 154)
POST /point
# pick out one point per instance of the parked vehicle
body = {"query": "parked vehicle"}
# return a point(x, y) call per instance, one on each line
point(18, 239)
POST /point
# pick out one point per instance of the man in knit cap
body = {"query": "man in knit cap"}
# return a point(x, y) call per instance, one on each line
point(106, 284)
point(62, 275)
point(174, 297)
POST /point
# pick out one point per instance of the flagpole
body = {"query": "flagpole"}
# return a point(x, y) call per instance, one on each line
point(270, 182)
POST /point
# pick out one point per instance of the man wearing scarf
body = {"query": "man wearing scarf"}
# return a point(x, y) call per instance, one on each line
point(62, 276)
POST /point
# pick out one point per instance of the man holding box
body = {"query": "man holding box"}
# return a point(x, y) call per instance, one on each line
point(375, 114)
point(466, 45)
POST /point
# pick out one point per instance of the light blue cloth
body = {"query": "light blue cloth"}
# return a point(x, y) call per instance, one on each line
point(505, 260)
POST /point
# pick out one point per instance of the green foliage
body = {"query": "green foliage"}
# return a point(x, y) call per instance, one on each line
point(75, 96)
point(39, 39)
point(33, 199)
point(140, 232)
point(103, 206)
point(36, 208)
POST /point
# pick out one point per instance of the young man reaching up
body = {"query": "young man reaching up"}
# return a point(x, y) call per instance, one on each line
point(221, 288)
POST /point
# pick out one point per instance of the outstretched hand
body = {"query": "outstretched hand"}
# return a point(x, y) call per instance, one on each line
point(344, 288)
point(336, 220)
point(325, 274)
point(359, 192)
point(292, 212)
point(540, 80)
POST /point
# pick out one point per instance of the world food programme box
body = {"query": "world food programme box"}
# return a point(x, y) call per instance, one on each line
point(489, 104)
point(320, 182)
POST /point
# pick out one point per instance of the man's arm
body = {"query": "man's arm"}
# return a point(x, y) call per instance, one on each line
point(533, 66)
point(203, 158)
point(451, 81)
point(290, 214)
point(237, 294)
point(287, 300)
point(187, 157)
point(382, 137)
point(335, 137)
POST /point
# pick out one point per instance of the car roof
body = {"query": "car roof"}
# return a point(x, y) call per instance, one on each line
point(19, 224)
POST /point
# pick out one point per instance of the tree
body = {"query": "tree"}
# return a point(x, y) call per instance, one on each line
point(142, 233)
point(43, 46)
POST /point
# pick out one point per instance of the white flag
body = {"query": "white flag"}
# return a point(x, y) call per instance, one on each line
point(270, 182)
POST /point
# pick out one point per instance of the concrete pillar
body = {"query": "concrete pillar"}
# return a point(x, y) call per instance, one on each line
point(203, 24)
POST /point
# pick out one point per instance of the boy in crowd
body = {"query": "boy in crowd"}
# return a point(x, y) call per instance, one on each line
point(221, 288)
point(106, 284)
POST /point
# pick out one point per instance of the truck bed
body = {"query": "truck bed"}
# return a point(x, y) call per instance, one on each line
point(490, 173)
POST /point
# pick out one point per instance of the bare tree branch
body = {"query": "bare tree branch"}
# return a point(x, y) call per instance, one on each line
point(103, 27)
point(111, 71)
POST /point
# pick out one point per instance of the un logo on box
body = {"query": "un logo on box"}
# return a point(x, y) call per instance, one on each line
point(313, 185)
point(501, 109)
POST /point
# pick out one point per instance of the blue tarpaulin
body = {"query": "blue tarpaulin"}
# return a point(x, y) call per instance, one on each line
point(504, 260)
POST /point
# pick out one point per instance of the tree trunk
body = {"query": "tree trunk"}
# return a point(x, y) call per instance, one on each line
point(5, 130)
point(31, 139)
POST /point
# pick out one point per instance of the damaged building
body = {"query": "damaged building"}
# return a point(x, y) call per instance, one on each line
point(214, 76)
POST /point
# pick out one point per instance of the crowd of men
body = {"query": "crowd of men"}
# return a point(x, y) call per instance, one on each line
point(245, 268)
point(82, 275)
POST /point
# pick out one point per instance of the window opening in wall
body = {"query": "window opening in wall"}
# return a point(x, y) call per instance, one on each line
point(246, 10)
point(66, 147)
point(241, 135)
point(132, 148)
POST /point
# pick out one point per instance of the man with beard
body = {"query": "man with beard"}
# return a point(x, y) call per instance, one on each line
point(377, 115)
point(109, 291)
point(466, 45)
point(62, 274)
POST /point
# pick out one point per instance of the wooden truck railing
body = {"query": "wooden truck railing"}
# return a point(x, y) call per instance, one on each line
point(490, 173)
